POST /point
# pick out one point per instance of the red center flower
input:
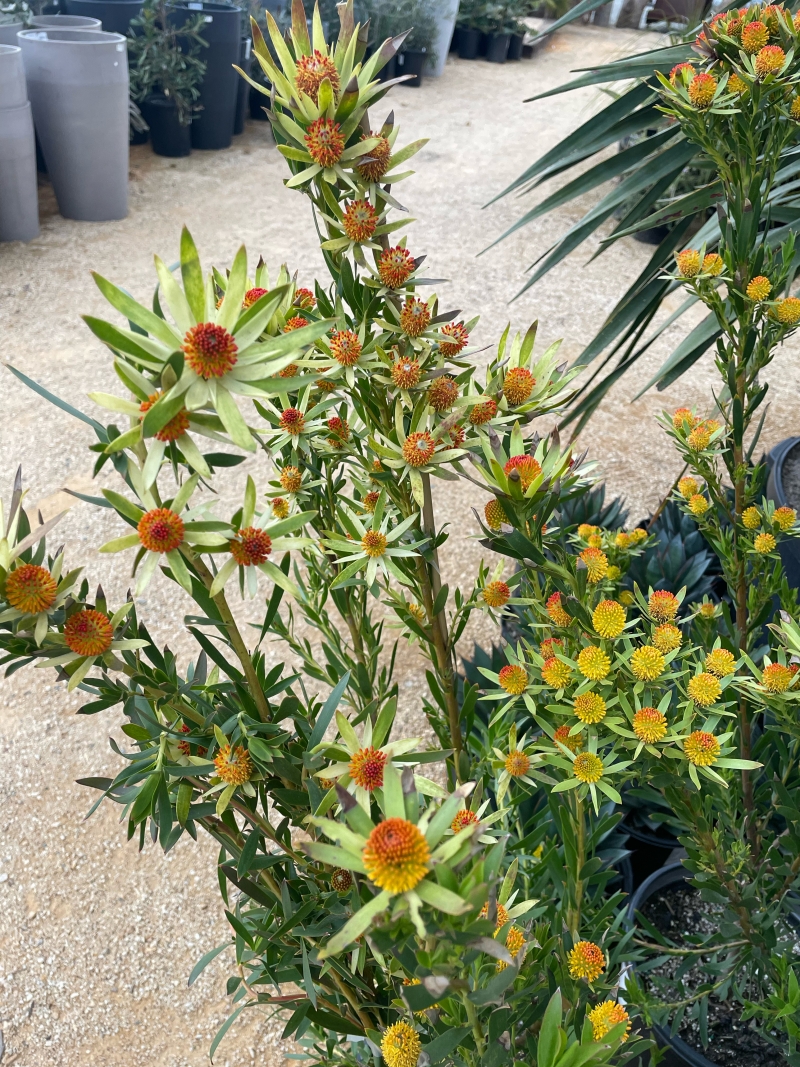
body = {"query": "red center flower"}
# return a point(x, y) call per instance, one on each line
point(160, 530)
point(366, 768)
point(251, 546)
point(210, 350)
point(88, 633)
point(325, 142)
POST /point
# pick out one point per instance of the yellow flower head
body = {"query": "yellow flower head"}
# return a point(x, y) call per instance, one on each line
point(698, 505)
point(769, 60)
point(556, 673)
point(684, 419)
point(708, 610)
point(667, 637)
point(234, 765)
point(608, 618)
point(593, 663)
point(605, 1017)
point(586, 960)
point(596, 563)
point(513, 678)
point(587, 768)
point(720, 662)
point(647, 663)
point(502, 915)
point(784, 518)
point(494, 514)
point(751, 517)
point(574, 742)
point(622, 540)
point(701, 748)
point(776, 678)
point(699, 438)
point(704, 689)
point(687, 487)
point(649, 725)
point(517, 763)
point(702, 88)
point(638, 535)
point(589, 707)
point(754, 36)
point(496, 594)
point(764, 544)
point(396, 856)
point(586, 530)
point(736, 84)
point(713, 263)
point(788, 311)
point(663, 605)
point(759, 288)
point(556, 612)
point(613, 573)
point(688, 262)
point(794, 111)
point(518, 385)
point(401, 1045)
point(463, 818)
point(31, 589)
point(515, 939)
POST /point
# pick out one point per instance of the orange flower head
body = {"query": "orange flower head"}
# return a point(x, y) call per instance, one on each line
point(754, 37)
point(290, 371)
point(457, 338)
point(483, 413)
point(296, 322)
point(663, 605)
point(406, 372)
point(764, 544)
point(396, 856)
point(713, 263)
point(513, 678)
point(704, 689)
point(550, 646)
point(681, 72)
point(720, 662)
point(250, 546)
point(366, 768)
point(588, 768)
point(699, 438)
point(593, 663)
point(374, 543)
point(502, 915)
point(702, 88)
point(312, 71)
point(462, 819)
point(574, 742)
point(305, 299)
point(586, 960)
point(515, 939)
point(776, 678)
point(751, 518)
point(183, 746)
point(359, 221)
point(701, 748)
point(667, 637)
point(589, 707)
point(605, 1017)
point(784, 518)
point(684, 419)
point(395, 267)
point(698, 505)
point(556, 612)
point(769, 16)
point(688, 487)
point(769, 60)
point(374, 166)
point(234, 765)
point(415, 316)
point(458, 436)
point(291, 479)
point(759, 288)
point(177, 425)
point(647, 663)
point(292, 421)
point(496, 594)
point(418, 448)
point(735, 85)
point(608, 618)
point(556, 673)
point(442, 393)
point(325, 142)
point(253, 295)
point(370, 501)
point(210, 350)
point(788, 311)
point(88, 633)
point(340, 431)
point(31, 589)
point(345, 347)
point(517, 763)
point(688, 263)
point(596, 564)
point(280, 508)
point(649, 725)
point(160, 530)
point(527, 467)
point(518, 386)
point(341, 880)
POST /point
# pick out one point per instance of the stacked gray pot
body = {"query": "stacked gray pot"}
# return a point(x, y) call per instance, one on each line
point(19, 204)
point(78, 88)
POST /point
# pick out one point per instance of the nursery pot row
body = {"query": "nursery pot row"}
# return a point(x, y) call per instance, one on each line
point(115, 15)
point(496, 47)
point(19, 201)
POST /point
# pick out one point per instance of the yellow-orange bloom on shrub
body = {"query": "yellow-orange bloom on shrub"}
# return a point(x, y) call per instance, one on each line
point(605, 1017)
point(593, 663)
point(663, 605)
point(496, 594)
point(702, 88)
point(769, 60)
point(596, 563)
point(713, 263)
point(764, 543)
point(586, 960)
point(647, 663)
point(401, 1046)
point(688, 262)
point(649, 725)
point(704, 689)
point(396, 855)
point(720, 662)
point(751, 518)
point(556, 612)
point(776, 678)
point(667, 637)
point(234, 765)
point(587, 768)
point(784, 518)
point(701, 748)
point(589, 707)
point(698, 505)
point(608, 618)
point(513, 678)
point(556, 673)
point(759, 288)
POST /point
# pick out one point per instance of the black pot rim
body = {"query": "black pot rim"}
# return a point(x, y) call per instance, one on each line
point(778, 456)
point(647, 837)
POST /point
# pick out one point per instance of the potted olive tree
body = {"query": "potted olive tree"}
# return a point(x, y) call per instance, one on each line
point(166, 71)
point(390, 18)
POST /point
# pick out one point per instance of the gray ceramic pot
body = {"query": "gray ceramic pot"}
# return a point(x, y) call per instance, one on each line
point(78, 88)
point(19, 201)
point(65, 22)
point(9, 31)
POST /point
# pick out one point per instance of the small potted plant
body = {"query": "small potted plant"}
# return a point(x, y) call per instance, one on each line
point(14, 16)
point(468, 26)
point(498, 24)
point(166, 71)
point(389, 19)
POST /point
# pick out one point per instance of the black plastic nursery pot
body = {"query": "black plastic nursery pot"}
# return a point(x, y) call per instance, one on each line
point(412, 62)
point(168, 136)
point(649, 851)
point(389, 71)
point(469, 42)
point(139, 136)
point(258, 102)
point(454, 39)
point(115, 15)
point(497, 47)
point(213, 127)
point(783, 488)
point(243, 87)
point(515, 46)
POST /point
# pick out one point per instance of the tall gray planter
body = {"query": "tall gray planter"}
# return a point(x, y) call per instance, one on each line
point(19, 202)
point(65, 22)
point(445, 24)
point(9, 31)
point(78, 88)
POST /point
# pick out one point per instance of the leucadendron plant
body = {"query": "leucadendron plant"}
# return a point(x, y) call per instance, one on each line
point(390, 898)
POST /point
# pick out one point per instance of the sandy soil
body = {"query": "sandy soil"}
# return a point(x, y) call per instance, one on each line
point(97, 941)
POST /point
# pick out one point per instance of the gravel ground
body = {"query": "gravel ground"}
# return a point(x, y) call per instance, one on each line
point(96, 940)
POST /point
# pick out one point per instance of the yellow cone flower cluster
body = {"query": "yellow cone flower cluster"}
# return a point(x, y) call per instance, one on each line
point(593, 663)
point(586, 960)
point(608, 618)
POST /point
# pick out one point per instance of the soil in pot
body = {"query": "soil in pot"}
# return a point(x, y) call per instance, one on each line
point(678, 912)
